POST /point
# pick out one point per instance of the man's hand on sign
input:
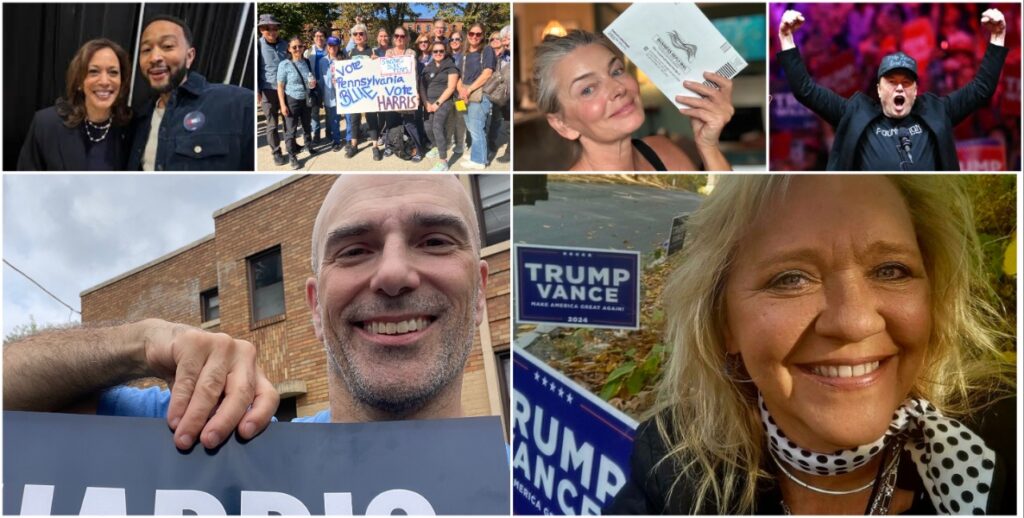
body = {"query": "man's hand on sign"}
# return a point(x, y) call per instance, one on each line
point(215, 383)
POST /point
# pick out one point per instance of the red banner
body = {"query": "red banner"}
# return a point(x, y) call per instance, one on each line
point(981, 155)
point(840, 74)
point(919, 43)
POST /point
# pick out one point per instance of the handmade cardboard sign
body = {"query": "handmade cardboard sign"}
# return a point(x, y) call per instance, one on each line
point(375, 85)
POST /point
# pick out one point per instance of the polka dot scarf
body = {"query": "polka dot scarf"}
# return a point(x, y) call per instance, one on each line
point(954, 464)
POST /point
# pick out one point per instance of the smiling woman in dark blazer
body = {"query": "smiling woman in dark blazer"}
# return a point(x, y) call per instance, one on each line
point(87, 129)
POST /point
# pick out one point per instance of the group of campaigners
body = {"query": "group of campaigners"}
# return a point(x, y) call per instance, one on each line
point(462, 84)
point(192, 125)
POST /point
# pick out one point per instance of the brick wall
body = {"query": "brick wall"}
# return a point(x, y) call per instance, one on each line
point(288, 349)
point(498, 298)
point(476, 398)
point(169, 289)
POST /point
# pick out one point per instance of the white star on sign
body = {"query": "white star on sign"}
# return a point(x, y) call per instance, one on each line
point(561, 393)
point(552, 386)
point(568, 397)
point(544, 382)
point(536, 376)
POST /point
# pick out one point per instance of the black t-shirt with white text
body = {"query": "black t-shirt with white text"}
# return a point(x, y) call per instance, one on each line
point(880, 148)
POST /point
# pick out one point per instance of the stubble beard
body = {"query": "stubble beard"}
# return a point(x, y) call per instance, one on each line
point(400, 400)
point(174, 80)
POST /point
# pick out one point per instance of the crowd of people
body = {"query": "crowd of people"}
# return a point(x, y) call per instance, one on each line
point(463, 80)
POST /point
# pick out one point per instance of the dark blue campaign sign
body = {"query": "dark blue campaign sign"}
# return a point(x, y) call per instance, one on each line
point(788, 114)
point(82, 464)
point(570, 449)
point(581, 287)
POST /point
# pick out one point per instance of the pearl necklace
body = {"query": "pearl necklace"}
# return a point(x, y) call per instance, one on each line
point(105, 128)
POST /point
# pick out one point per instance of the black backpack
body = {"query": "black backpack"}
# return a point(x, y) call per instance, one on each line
point(399, 143)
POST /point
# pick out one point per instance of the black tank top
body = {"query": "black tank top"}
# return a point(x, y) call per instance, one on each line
point(649, 154)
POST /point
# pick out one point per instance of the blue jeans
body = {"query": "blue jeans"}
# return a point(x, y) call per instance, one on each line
point(352, 123)
point(498, 129)
point(476, 124)
point(333, 124)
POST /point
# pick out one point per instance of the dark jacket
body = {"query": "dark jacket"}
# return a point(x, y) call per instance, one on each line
point(52, 146)
point(647, 489)
point(850, 117)
point(223, 142)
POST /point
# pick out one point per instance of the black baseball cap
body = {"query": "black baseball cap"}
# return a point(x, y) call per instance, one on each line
point(897, 61)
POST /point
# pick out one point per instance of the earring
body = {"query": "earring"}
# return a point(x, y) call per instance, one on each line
point(734, 370)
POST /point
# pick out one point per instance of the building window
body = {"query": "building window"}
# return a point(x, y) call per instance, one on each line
point(492, 194)
point(266, 284)
point(210, 301)
point(286, 410)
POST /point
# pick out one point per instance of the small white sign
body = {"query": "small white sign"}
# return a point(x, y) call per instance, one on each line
point(674, 42)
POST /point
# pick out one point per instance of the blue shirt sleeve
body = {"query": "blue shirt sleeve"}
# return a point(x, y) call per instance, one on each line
point(261, 67)
point(324, 85)
point(282, 72)
point(153, 402)
point(134, 402)
point(323, 416)
point(488, 59)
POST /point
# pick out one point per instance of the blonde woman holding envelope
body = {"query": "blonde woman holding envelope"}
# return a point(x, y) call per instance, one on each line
point(590, 99)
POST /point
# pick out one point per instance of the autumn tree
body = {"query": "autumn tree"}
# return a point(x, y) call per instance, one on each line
point(300, 18)
point(493, 16)
point(376, 16)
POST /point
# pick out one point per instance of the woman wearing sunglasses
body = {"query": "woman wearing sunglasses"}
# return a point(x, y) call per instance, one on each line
point(456, 127)
point(477, 66)
point(294, 81)
point(400, 40)
point(437, 86)
point(423, 49)
point(374, 120)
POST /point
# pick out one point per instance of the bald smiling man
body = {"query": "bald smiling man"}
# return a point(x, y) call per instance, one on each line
point(396, 294)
